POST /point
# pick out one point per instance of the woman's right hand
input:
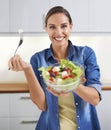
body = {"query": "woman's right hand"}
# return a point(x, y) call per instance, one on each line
point(17, 64)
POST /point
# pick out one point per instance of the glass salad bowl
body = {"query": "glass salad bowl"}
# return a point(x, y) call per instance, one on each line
point(64, 76)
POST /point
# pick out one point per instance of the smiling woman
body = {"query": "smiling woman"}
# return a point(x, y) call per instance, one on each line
point(58, 25)
point(59, 32)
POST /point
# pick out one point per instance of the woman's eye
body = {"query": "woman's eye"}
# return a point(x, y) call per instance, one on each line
point(52, 27)
point(64, 26)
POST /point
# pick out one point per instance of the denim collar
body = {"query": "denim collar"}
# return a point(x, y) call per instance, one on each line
point(70, 51)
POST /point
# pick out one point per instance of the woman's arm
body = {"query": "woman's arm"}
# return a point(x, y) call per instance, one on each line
point(88, 94)
point(36, 92)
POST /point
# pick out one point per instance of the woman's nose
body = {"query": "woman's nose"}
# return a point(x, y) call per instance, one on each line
point(58, 30)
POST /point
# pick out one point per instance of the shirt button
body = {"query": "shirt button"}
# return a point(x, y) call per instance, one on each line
point(76, 103)
point(78, 116)
point(78, 127)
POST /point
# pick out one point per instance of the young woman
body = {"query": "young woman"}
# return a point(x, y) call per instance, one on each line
point(62, 111)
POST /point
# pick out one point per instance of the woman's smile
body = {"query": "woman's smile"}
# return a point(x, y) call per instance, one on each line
point(59, 39)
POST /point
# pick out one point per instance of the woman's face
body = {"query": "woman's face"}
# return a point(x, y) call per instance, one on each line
point(58, 29)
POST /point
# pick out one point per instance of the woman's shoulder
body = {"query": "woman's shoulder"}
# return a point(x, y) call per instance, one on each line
point(41, 52)
point(82, 47)
point(79, 47)
point(85, 48)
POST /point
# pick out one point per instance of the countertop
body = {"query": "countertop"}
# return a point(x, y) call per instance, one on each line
point(23, 87)
point(13, 87)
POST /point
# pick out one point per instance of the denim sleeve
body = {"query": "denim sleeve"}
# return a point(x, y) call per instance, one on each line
point(92, 70)
point(34, 62)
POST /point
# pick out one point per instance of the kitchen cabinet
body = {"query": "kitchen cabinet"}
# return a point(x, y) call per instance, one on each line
point(23, 113)
point(17, 112)
point(103, 110)
point(21, 105)
point(88, 16)
point(4, 16)
point(23, 123)
point(4, 103)
point(28, 15)
point(99, 16)
point(4, 123)
point(4, 112)
point(79, 11)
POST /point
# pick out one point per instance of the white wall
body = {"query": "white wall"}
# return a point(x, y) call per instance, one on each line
point(7, 47)
point(101, 45)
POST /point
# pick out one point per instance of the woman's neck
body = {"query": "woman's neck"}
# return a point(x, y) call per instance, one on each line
point(60, 54)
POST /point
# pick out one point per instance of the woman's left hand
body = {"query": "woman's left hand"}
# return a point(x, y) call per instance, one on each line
point(62, 93)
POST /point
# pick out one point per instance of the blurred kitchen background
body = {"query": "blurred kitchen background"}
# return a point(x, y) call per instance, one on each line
point(91, 27)
point(32, 44)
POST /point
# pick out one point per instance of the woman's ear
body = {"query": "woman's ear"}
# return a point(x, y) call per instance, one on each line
point(45, 28)
point(71, 26)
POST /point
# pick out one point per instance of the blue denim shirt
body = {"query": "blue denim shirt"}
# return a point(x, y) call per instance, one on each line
point(86, 113)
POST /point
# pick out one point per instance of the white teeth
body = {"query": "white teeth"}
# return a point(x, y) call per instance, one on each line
point(59, 39)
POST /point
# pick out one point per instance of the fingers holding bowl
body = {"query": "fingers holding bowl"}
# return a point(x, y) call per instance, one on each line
point(57, 93)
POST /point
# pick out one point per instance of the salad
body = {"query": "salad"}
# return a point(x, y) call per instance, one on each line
point(62, 73)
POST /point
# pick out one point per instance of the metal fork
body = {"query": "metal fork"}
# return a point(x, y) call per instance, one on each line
point(20, 42)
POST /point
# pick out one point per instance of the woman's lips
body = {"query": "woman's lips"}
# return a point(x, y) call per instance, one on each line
point(59, 39)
